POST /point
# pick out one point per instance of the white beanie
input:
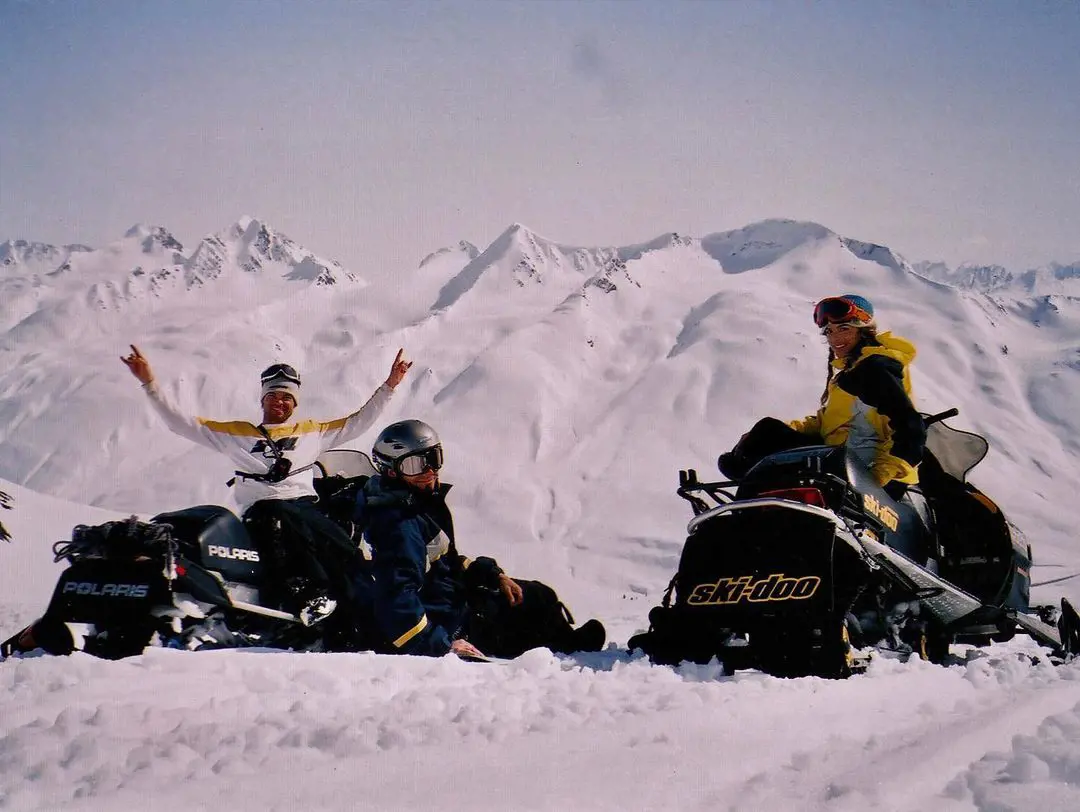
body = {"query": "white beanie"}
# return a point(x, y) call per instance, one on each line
point(281, 385)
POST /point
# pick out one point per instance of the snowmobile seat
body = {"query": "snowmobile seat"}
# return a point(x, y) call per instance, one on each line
point(215, 536)
point(209, 524)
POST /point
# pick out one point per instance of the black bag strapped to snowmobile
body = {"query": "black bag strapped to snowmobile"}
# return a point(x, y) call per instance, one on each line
point(540, 620)
point(129, 539)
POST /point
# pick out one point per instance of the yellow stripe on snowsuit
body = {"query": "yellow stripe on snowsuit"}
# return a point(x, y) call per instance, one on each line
point(241, 428)
point(237, 428)
point(411, 633)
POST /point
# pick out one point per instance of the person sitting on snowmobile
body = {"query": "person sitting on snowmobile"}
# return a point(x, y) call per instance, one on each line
point(866, 404)
point(426, 592)
point(307, 561)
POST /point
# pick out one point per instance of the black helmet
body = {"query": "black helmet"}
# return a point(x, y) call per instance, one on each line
point(408, 447)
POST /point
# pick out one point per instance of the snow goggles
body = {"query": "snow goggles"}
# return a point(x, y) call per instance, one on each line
point(417, 462)
point(836, 310)
point(280, 371)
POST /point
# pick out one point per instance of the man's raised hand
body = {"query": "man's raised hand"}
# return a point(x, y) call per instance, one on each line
point(138, 365)
point(397, 369)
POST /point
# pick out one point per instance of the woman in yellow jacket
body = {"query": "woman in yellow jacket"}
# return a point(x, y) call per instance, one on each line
point(866, 404)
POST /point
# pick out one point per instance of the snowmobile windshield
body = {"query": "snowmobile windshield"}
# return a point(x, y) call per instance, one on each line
point(345, 462)
point(957, 451)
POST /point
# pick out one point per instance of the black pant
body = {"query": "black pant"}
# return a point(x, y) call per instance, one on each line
point(769, 436)
point(297, 543)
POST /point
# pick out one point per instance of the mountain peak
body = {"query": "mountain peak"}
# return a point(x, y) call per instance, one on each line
point(137, 231)
point(151, 238)
point(463, 247)
point(762, 243)
point(880, 254)
point(243, 223)
point(253, 246)
point(524, 235)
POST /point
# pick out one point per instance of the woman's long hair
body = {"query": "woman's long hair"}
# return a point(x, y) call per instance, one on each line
point(867, 338)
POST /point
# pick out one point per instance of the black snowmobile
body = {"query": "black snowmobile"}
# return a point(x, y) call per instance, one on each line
point(807, 559)
point(189, 579)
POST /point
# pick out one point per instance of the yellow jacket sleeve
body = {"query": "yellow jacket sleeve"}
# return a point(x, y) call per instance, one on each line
point(810, 425)
point(886, 468)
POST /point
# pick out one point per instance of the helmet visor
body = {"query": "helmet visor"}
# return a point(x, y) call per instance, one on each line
point(280, 371)
point(836, 310)
point(417, 462)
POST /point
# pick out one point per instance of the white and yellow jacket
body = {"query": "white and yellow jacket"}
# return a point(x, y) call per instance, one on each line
point(243, 443)
point(868, 409)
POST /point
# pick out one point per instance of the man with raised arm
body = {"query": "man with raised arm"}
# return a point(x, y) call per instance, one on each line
point(274, 459)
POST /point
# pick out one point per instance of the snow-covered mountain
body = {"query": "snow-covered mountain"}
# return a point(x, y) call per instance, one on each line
point(35, 257)
point(569, 385)
point(532, 356)
point(1048, 280)
point(255, 248)
point(147, 263)
point(451, 253)
point(760, 244)
point(519, 259)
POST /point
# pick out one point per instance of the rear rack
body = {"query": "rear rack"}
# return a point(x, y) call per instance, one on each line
point(761, 502)
point(722, 494)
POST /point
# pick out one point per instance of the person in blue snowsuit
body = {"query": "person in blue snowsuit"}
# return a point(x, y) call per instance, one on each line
point(421, 580)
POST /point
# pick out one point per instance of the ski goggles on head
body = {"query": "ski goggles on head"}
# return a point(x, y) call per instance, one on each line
point(280, 371)
point(836, 310)
point(417, 462)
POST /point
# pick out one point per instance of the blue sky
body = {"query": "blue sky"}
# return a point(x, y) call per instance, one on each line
point(375, 133)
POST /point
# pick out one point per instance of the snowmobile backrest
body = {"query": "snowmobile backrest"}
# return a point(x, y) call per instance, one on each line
point(341, 473)
point(214, 536)
point(956, 451)
point(345, 463)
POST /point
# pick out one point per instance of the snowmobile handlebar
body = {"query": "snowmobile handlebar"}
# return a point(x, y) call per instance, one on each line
point(937, 418)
